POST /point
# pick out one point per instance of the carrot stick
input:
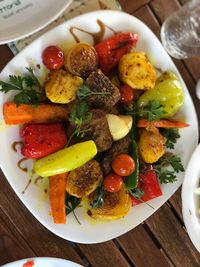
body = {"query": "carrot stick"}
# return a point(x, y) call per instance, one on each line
point(57, 184)
point(161, 124)
point(43, 113)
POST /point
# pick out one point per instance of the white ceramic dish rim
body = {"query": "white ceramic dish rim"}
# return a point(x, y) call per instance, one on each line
point(172, 188)
point(16, 36)
point(190, 200)
point(39, 260)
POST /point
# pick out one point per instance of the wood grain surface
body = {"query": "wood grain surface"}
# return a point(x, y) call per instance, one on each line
point(161, 241)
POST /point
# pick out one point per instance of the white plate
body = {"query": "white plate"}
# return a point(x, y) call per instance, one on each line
point(191, 201)
point(47, 262)
point(21, 18)
point(89, 232)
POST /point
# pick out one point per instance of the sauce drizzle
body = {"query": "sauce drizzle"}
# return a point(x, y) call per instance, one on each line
point(15, 144)
point(24, 169)
point(97, 36)
point(37, 179)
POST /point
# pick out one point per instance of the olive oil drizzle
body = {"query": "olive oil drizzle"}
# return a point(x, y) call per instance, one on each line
point(97, 36)
point(24, 169)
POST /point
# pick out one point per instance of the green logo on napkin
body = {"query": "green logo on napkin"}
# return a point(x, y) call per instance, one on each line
point(10, 6)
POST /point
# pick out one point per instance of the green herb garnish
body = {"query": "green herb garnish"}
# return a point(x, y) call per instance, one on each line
point(79, 116)
point(168, 176)
point(136, 193)
point(172, 135)
point(153, 111)
point(30, 90)
point(71, 203)
point(84, 91)
point(99, 195)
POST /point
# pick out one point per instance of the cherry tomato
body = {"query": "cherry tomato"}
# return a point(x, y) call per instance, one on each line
point(123, 165)
point(112, 182)
point(53, 57)
point(127, 94)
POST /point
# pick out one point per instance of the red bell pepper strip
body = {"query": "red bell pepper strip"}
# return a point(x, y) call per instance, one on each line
point(42, 139)
point(112, 49)
point(161, 124)
point(149, 184)
point(28, 264)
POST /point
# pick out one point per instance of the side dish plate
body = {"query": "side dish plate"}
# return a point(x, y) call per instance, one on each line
point(21, 18)
point(34, 197)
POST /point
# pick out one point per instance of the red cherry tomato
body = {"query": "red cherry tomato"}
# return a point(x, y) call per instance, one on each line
point(53, 57)
point(123, 165)
point(112, 182)
point(127, 94)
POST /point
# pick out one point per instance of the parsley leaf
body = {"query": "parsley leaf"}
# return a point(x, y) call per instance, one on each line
point(30, 90)
point(153, 111)
point(168, 176)
point(172, 135)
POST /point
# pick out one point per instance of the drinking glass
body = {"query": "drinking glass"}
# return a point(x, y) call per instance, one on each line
point(180, 33)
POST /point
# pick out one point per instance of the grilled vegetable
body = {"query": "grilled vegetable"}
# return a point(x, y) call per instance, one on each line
point(148, 186)
point(113, 182)
point(53, 57)
point(109, 93)
point(84, 180)
point(112, 49)
point(115, 206)
point(136, 71)
point(151, 145)
point(161, 124)
point(66, 160)
point(119, 125)
point(61, 86)
point(43, 113)
point(57, 197)
point(41, 140)
point(168, 92)
point(81, 60)
point(123, 165)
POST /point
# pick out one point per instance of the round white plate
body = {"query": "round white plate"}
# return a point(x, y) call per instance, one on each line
point(47, 262)
point(34, 199)
point(20, 18)
point(190, 200)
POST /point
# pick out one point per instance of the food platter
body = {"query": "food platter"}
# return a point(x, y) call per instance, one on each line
point(190, 200)
point(34, 197)
point(22, 18)
point(37, 262)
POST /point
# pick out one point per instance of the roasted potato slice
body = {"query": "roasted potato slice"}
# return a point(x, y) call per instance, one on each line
point(84, 180)
point(61, 86)
point(81, 60)
point(151, 145)
point(115, 206)
point(136, 71)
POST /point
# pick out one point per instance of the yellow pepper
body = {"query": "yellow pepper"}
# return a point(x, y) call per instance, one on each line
point(167, 91)
point(66, 160)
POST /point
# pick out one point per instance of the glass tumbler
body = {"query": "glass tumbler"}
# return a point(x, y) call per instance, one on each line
point(180, 33)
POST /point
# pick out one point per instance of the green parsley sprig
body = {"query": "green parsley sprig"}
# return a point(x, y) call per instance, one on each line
point(29, 88)
point(153, 111)
point(168, 176)
point(79, 116)
point(172, 135)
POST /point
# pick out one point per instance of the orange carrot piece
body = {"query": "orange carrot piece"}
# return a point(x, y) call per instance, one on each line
point(161, 124)
point(57, 188)
point(43, 113)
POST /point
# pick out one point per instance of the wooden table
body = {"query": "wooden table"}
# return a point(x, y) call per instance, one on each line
point(161, 240)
